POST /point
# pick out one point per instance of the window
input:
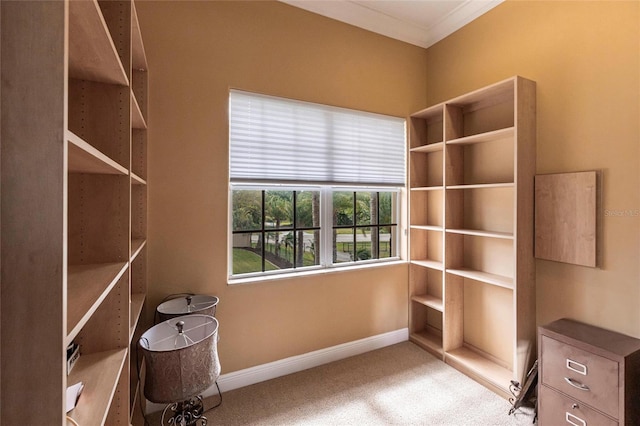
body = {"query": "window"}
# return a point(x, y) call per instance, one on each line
point(311, 186)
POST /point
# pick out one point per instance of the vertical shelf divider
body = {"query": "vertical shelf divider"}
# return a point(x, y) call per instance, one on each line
point(138, 211)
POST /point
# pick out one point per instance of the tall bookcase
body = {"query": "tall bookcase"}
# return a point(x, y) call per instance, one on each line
point(472, 272)
point(74, 102)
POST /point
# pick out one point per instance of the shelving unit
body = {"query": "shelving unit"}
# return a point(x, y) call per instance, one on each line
point(472, 298)
point(74, 186)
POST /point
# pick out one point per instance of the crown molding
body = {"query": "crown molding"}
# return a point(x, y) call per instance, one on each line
point(370, 19)
point(458, 18)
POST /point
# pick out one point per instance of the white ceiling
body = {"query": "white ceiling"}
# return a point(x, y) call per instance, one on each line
point(419, 22)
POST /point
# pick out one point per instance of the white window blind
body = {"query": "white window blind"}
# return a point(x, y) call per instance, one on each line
point(281, 140)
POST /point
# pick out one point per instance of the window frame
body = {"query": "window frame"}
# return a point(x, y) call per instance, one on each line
point(326, 261)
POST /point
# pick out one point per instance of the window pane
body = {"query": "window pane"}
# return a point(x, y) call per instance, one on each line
point(387, 240)
point(247, 210)
point(279, 249)
point(343, 208)
point(278, 209)
point(307, 248)
point(364, 207)
point(308, 209)
point(247, 255)
point(363, 244)
point(343, 249)
point(386, 206)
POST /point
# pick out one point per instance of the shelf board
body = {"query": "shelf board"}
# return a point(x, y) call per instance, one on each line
point(432, 147)
point(100, 373)
point(431, 264)
point(479, 233)
point(485, 277)
point(430, 342)
point(502, 91)
point(427, 227)
point(137, 302)
point(138, 55)
point(84, 158)
point(136, 247)
point(92, 54)
point(429, 301)
point(494, 135)
point(482, 186)
point(477, 365)
point(434, 113)
point(137, 119)
point(137, 180)
point(87, 287)
point(428, 188)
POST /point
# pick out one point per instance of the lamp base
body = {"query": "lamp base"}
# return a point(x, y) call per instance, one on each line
point(185, 413)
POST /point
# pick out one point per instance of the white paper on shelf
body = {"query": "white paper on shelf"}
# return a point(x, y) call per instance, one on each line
point(73, 393)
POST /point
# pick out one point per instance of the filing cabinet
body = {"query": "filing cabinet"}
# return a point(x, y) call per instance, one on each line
point(588, 376)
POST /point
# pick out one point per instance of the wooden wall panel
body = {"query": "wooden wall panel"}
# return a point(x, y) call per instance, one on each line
point(565, 217)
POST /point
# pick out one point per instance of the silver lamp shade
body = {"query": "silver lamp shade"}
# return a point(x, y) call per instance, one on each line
point(181, 357)
point(196, 304)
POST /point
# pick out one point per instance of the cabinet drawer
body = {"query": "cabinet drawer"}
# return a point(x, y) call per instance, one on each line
point(556, 409)
point(582, 375)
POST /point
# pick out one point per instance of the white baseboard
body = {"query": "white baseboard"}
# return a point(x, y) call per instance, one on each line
point(271, 370)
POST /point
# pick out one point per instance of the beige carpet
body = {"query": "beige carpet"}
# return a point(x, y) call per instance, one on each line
point(399, 384)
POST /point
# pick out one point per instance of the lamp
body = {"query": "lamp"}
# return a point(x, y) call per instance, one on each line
point(190, 304)
point(181, 358)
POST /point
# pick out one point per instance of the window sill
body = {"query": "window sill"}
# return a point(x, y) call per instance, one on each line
point(302, 274)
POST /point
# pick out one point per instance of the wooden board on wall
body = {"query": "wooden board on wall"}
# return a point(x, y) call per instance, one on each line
point(565, 217)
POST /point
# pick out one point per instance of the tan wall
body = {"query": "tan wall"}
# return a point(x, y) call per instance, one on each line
point(585, 59)
point(196, 52)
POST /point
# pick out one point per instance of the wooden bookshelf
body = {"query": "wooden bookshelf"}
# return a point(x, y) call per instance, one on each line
point(432, 264)
point(136, 246)
point(433, 147)
point(428, 227)
point(71, 247)
point(137, 120)
point(484, 277)
point(481, 233)
point(481, 367)
point(138, 230)
point(429, 341)
point(100, 373)
point(482, 186)
point(138, 55)
point(84, 158)
point(137, 303)
point(87, 287)
point(430, 301)
point(137, 180)
point(490, 136)
point(471, 168)
point(92, 53)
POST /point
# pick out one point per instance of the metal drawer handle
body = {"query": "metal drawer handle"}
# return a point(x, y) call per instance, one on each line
point(573, 420)
point(576, 384)
point(577, 367)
